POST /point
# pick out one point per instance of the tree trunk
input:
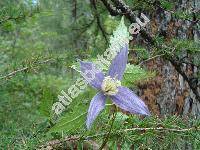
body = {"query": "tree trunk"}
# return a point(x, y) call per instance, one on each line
point(169, 93)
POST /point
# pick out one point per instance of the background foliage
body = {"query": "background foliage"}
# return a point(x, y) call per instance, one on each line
point(40, 40)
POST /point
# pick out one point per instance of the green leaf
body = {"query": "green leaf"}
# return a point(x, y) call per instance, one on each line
point(71, 121)
point(135, 74)
point(166, 4)
point(46, 102)
point(120, 117)
point(120, 36)
point(75, 114)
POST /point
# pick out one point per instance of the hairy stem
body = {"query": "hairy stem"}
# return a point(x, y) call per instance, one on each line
point(109, 132)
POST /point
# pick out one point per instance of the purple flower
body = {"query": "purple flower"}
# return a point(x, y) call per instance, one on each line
point(110, 86)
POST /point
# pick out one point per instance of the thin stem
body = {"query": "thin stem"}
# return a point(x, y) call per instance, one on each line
point(151, 58)
point(107, 136)
point(11, 74)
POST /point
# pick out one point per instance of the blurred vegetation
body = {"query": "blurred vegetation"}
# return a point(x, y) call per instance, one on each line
point(39, 41)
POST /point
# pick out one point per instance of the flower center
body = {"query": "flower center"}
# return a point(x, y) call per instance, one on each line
point(110, 85)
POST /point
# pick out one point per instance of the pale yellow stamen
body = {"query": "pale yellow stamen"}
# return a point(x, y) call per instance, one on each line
point(110, 85)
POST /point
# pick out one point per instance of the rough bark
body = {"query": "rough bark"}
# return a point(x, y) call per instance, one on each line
point(177, 94)
point(175, 90)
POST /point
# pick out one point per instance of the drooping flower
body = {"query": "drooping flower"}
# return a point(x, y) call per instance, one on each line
point(109, 85)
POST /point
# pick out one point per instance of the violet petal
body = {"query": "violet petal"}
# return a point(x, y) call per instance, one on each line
point(118, 64)
point(96, 105)
point(128, 101)
point(91, 74)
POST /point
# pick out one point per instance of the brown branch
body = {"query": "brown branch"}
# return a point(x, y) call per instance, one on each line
point(192, 81)
point(85, 27)
point(113, 10)
point(11, 74)
point(151, 58)
point(15, 18)
point(74, 10)
point(125, 9)
point(93, 3)
point(162, 129)
point(128, 12)
point(56, 143)
point(11, 18)
point(22, 16)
